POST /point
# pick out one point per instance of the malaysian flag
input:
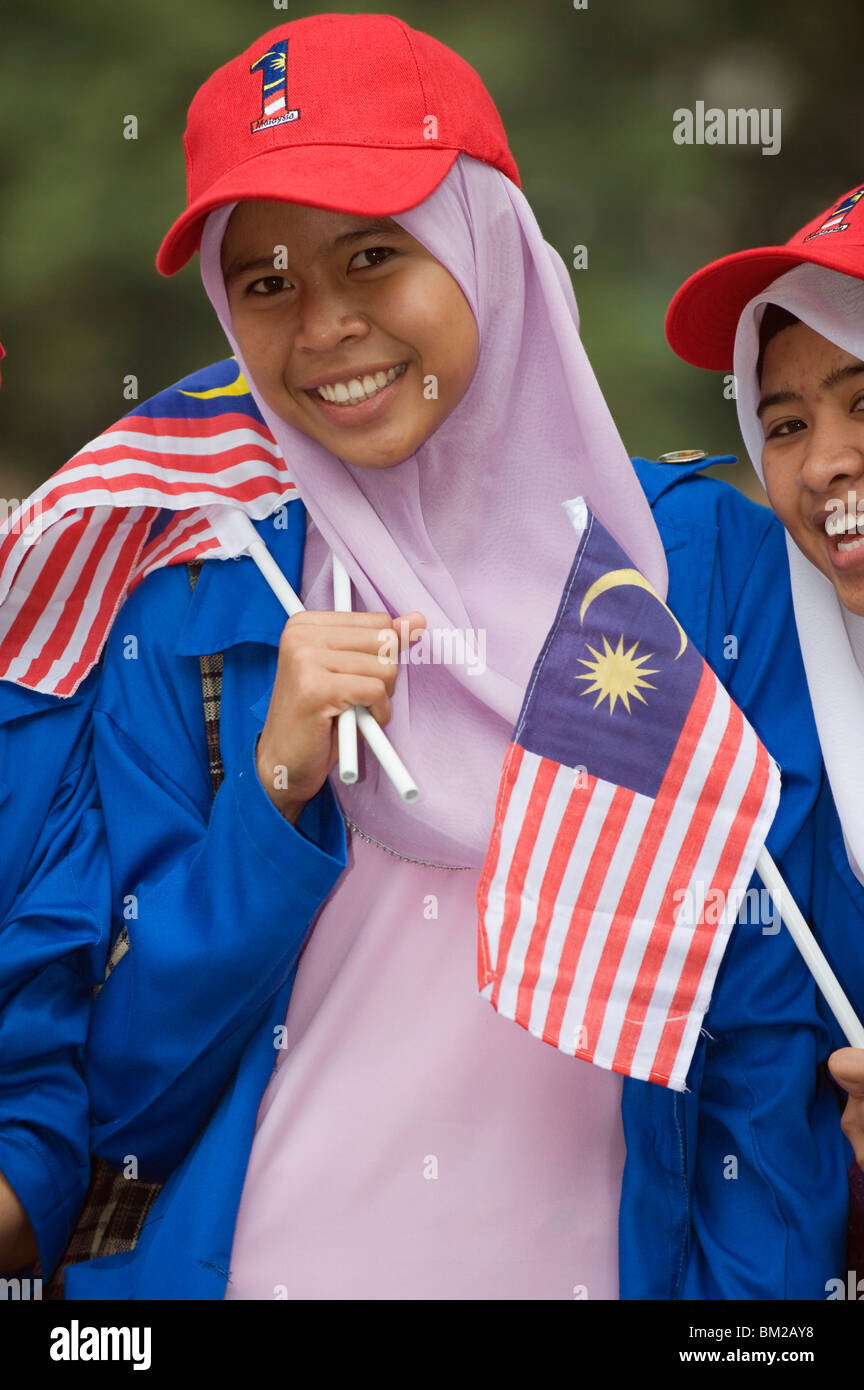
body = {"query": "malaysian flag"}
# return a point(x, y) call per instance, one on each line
point(126, 504)
point(634, 799)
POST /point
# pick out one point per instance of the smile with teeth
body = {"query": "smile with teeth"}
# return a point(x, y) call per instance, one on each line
point(359, 388)
point(845, 523)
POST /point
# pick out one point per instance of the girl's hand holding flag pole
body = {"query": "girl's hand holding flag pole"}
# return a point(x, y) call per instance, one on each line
point(238, 537)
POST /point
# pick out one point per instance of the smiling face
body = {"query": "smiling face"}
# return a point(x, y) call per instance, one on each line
point(342, 332)
point(812, 413)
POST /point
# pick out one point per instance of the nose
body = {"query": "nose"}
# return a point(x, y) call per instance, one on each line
point(833, 458)
point(327, 318)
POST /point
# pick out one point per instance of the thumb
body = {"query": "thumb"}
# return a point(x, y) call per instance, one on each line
point(846, 1065)
point(409, 626)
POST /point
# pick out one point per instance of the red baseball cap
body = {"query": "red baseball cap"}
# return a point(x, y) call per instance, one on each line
point(355, 113)
point(702, 319)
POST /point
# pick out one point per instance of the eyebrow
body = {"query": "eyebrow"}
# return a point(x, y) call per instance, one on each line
point(374, 227)
point(835, 378)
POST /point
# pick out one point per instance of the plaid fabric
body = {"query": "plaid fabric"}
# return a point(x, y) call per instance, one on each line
point(211, 689)
point(116, 1207)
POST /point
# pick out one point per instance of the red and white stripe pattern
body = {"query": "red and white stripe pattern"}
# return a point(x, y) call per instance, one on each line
point(274, 105)
point(584, 881)
point(74, 549)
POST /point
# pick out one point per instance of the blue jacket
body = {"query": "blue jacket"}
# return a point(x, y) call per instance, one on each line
point(734, 1189)
point(52, 952)
point(837, 904)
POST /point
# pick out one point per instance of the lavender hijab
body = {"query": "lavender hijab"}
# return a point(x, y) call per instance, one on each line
point(469, 530)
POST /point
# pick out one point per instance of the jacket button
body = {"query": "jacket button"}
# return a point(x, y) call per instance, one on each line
point(683, 456)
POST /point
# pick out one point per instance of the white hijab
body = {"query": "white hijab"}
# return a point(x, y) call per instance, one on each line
point(832, 638)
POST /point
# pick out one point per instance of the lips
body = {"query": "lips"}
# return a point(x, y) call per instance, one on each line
point(844, 535)
point(346, 374)
point(840, 518)
point(349, 403)
point(361, 387)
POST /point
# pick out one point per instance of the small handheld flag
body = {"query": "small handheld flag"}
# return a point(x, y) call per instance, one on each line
point(74, 550)
point(633, 799)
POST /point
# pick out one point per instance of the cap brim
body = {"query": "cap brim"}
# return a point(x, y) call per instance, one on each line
point(354, 179)
point(702, 320)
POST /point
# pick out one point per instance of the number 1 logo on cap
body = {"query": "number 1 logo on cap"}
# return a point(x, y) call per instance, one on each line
point(274, 95)
point(834, 221)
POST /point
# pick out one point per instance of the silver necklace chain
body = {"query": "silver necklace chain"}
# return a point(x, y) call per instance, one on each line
point(426, 863)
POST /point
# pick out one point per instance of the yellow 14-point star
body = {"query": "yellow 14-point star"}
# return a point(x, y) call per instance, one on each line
point(617, 674)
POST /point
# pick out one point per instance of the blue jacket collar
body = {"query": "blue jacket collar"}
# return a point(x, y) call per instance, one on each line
point(657, 478)
point(16, 701)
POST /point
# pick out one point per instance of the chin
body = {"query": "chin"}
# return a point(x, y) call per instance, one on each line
point(376, 463)
point(378, 458)
point(853, 603)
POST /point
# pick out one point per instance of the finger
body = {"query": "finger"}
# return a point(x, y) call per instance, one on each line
point(852, 1125)
point(365, 664)
point(409, 627)
point(846, 1065)
point(360, 690)
point(315, 616)
point(374, 641)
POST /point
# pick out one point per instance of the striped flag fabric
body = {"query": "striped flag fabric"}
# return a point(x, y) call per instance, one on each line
point(128, 503)
point(634, 798)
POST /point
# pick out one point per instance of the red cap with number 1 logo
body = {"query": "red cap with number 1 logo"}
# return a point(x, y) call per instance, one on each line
point(353, 113)
point(702, 319)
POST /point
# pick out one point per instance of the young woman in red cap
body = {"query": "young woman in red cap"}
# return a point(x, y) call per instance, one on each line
point(789, 320)
point(409, 372)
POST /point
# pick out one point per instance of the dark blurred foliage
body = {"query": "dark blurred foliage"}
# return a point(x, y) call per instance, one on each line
point(587, 98)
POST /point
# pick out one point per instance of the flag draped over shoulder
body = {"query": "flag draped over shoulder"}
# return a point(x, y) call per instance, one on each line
point(73, 551)
point(634, 796)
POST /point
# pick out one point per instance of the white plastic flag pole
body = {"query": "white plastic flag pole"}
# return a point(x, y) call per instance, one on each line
point(347, 721)
point(815, 961)
point(237, 536)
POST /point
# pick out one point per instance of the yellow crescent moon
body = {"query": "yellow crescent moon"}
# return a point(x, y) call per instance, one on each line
point(635, 580)
point(237, 387)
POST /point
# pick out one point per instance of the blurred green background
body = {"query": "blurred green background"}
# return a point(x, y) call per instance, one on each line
point(586, 95)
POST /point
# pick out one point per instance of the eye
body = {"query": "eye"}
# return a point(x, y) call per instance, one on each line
point(379, 255)
point(267, 285)
point(784, 427)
